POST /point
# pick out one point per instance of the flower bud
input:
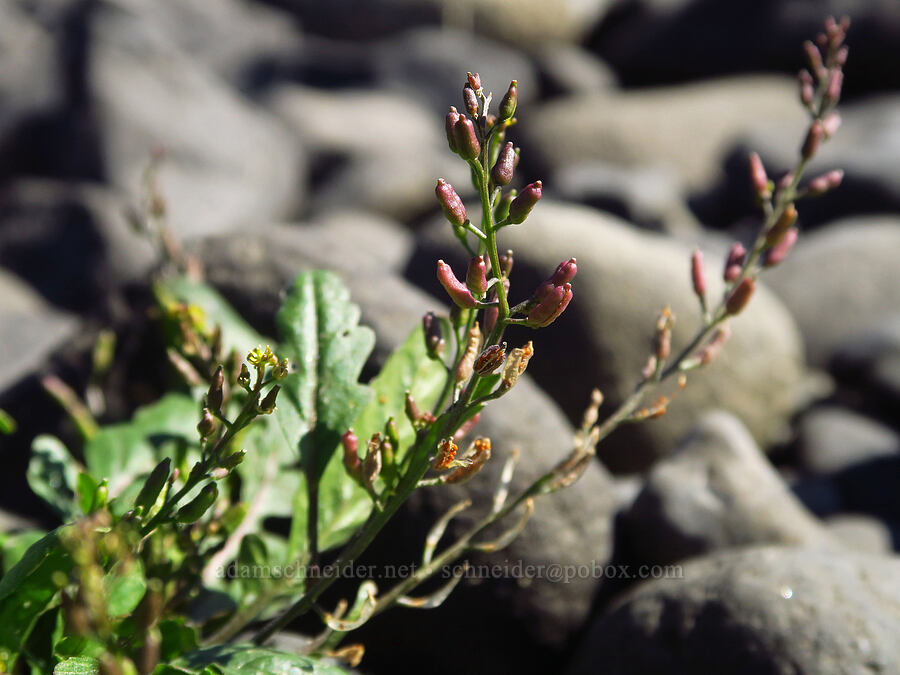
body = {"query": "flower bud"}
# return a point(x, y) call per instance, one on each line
point(416, 417)
point(470, 99)
point(457, 291)
point(244, 377)
point(813, 57)
point(813, 139)
point(662, 340)
point(779, 252)
point(698, 273)
point(840, 57)
point(835, 83)
point(506, 262)
point(759, 178)
point(554, 301)
point(233, 460)
point(207, 424)
point(476, 276)
point(350, 445)
point(194, 509)
point(830, 124)
point(735, 262)
point(434, 339)
point(450, 121)
point(740, 296)
point(267, 406)
point(501, 211)
point(153, 485)
point(490, 359)
point(282, 370)
point(474, 81)
point(565, 272)
point(215, 394)
point(508, 102)
point(521, 206)
point(502, 173)
point(467, 144)
point(824, 183)
point(807, 88)
point(712, 348)
point(454, 209)
point(782, 225)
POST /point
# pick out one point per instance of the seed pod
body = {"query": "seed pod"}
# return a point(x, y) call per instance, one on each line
point(449, 122)
point(470, 99)
point(779, 252)
point(267, 406)
point(490, 359)
point(508, 103)
point(502, 173)
point(153, 485)
point(233, 460)
point(215, 394)
point(712, 348)
point(476, 276)
point(698, 273)
point(782, 225)
point(758, 177)
point(457, 291)
point(523, 204)
point(466, 365)
point(194, 509)
point(813, 139)
point(807, 88)
point(506, 262)
point(813, 57)
point(740, 296)
point(207, 424)
point(454, 209)
point(467, 144)
point(735, 262)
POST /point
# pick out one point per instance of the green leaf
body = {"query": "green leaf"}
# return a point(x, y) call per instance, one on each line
point(407, 369)
point(7, 423)
point(176, 639)
point(78, 645)
point(26, 591)
point(78, 665)
point(15, 545)
point(122, 452)
point(318, 402)
point(86, 488)
point(53, 474)
point(236, 333)
point(248, 660)
point(125, 588)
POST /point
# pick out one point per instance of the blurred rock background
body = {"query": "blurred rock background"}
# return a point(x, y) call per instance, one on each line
point(301, 134)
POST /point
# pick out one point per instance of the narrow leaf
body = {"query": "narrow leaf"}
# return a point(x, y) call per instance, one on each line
point(53, 474)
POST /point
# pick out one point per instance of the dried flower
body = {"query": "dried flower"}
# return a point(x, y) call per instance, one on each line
point(480, 454)
point(490, 359)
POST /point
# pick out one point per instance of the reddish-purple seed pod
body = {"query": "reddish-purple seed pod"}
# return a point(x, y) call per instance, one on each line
point(735, 261)
point(740, 296)
point(454, 209)
point(835, 84)
point(449, 122)
point(467, 144)
point(524, 202)
point(813, 139)
point(470, 99)
point(779, 252)
point(476, 276)
point(698, 274)
point(502, 173)
point(758, 177)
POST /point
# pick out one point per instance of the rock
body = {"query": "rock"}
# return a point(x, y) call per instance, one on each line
point(861, 533)
point(386, 150)
point(571, 528)
point(430, 65)
point(73, 243)
point(716, 491)
point(567, 70)
point(646, 196)
point(832, 439)
point(625, 277)
point(840, 280)
point(764, 610)
point(227, 164)
point(870, 360)
point(30, 330)
point(522, 23)
point(699, 123)
point(658, 41)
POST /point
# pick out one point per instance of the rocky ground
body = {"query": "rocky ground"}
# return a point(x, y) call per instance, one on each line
point(302, 134)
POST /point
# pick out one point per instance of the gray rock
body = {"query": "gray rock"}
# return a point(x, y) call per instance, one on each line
point(832, 439)
point(716, 491)
point(625, 277)
point(766, 610)
point(650, 197)
point(870, 360)
point(74, 244)
point(861, 533)
point(840, 280)
point(30, 330)
point(227, 164)
point(684, 129)
point(430, 65)
point(567, 70)
point(643, 42)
